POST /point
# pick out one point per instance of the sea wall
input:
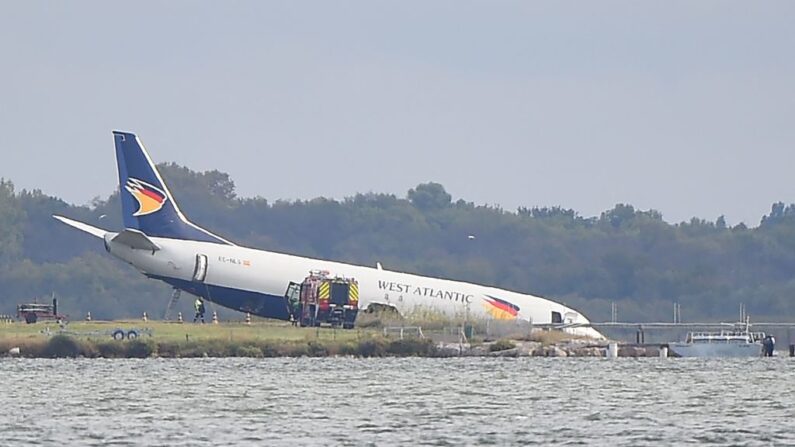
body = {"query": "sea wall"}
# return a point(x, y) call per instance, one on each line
point(64, 346)
point(519, 348)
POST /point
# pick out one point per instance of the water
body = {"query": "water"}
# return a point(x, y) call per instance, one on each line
point(340, 401)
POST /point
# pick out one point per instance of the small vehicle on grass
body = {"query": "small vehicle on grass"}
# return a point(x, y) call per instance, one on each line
point(33, 312)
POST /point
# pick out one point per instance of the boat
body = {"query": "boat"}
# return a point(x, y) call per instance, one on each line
point(726, 343)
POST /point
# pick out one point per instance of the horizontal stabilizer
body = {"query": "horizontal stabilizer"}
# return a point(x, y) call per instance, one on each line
point(135, 239)
point(94, 231)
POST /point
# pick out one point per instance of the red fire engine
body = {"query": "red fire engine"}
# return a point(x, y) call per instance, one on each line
point(325, 299)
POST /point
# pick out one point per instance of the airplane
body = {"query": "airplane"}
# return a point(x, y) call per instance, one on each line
point(160, 241)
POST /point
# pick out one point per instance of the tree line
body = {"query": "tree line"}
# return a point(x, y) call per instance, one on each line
point(625, 255)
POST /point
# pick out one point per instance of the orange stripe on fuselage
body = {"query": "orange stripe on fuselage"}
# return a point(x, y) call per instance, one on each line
point(503, 307)
point(500, 310)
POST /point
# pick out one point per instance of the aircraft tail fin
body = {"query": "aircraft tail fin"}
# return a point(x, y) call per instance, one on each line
point(147, 204)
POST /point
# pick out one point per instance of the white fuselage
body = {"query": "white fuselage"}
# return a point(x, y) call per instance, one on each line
point(269, 273)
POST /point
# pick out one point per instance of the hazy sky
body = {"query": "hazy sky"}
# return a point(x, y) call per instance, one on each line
point(687, 107)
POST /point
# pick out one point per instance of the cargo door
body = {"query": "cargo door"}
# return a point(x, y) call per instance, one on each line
point(292, 299)
point(200, 270)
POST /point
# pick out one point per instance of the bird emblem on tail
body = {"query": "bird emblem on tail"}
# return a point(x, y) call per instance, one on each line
point(150, 198)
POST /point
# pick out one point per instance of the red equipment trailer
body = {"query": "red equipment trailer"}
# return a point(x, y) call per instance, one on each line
point(33, 312)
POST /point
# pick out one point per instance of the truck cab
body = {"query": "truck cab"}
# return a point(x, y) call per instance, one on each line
point(324, 299)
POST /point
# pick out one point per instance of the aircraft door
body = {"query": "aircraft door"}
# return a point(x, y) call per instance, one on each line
point(292, 299)
point(200, 271)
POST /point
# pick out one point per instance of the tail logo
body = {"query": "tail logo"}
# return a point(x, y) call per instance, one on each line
point(500, 309)
point(150, 198)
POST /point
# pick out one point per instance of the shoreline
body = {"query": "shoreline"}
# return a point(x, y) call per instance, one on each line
point(267, 339)
point(159, 339)
point(65, 346)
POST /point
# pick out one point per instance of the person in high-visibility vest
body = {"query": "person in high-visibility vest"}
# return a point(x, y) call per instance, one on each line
point(295, 310)
point(199, 306)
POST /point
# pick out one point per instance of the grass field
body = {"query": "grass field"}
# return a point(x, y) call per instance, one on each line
point(169, 339)
point(175, 332)
point(262, 338)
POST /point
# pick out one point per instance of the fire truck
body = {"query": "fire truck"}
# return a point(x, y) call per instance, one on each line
point(321, 298)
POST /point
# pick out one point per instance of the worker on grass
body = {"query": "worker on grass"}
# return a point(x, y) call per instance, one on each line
point(199, 305)
point(295, 307)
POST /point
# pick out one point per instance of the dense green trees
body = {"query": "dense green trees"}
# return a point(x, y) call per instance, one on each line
point(629, 256)
point(11, 220)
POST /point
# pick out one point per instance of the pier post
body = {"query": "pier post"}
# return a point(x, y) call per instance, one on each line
point(612, 350)
point(663, 352)
point(791, 343)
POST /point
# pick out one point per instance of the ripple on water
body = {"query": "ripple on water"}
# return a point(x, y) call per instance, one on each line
point(344, 401)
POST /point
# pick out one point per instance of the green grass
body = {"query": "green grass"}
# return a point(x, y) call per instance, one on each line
point(260, 339)
point(263, 338)
point(170, 331)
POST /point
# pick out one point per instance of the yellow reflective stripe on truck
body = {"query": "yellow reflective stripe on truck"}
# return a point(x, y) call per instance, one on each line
point(354, 292)
point(323, 290)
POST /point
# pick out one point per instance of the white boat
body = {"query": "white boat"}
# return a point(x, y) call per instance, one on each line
point(726, 343)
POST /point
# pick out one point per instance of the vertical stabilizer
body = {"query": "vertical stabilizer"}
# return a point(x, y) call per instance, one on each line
point(146, 203)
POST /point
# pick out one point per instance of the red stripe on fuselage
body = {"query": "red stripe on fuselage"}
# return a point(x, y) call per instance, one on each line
point(507, 307)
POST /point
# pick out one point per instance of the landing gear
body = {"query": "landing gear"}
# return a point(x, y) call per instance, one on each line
point(173, 302)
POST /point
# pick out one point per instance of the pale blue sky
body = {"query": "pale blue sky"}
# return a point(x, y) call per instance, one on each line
point(687, 107)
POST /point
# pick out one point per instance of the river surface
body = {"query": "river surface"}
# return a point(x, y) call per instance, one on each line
point(407, 401)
